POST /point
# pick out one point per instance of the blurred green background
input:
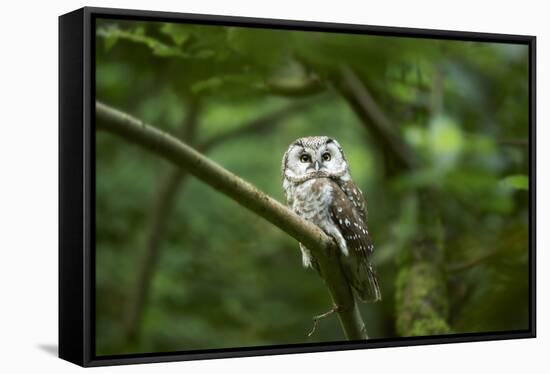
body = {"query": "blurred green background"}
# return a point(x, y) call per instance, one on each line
point(439, 147)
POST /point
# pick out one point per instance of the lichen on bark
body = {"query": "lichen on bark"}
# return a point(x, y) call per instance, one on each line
point(421, 298)
point(422, 301)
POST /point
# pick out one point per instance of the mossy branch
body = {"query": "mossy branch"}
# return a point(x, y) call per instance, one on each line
point(244, 193)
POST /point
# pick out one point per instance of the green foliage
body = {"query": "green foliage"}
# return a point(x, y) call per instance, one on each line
point(519, 182)
point(226, 278)
point(137, 35)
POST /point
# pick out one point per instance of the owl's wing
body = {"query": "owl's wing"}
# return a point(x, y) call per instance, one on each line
point(355, 195)
point(359, 271)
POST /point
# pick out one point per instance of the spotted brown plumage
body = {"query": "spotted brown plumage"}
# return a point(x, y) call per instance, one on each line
point(350, 217)
point(355, 195)
point(318, 185)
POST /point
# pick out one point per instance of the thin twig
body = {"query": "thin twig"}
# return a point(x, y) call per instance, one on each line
point(316, 319)
point(453, 268)
point(524, 142)
point(260, 124)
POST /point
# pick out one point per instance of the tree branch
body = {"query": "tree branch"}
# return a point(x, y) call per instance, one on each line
point(522, 142)
point(311, 86)
point(258, 125)
point(452, 268)
point(168, 193)
point(368, 110)
point(182, 155)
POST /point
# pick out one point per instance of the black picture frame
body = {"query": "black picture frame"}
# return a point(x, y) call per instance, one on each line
point(77, 185)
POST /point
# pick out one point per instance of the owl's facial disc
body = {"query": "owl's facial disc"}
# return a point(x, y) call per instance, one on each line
point(306, 161)
point(332, 158)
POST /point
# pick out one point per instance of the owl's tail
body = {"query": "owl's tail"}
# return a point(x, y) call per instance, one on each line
point(366, 284)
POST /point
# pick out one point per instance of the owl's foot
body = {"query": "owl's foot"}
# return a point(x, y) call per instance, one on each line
point(307, 258)
point(316, 319)
point(307, 261)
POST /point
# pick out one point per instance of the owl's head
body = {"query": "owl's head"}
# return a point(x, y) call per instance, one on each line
point(314, 157)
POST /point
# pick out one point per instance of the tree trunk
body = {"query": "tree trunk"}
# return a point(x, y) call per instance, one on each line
point(422, 305)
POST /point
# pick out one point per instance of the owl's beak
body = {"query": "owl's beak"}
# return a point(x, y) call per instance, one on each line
point(317, 165)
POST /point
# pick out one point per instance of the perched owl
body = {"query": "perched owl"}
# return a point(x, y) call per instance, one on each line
point(318, 187)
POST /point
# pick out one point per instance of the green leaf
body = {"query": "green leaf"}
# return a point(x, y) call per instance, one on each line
point(265, 48)
point(207, 85)
point(178, 33)
point(110, 41)
point(137, 35)
point(518, 182)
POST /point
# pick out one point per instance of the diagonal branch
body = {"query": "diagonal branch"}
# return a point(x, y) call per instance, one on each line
point(211, 173)
point(370, 113)
point(169, 189)
point(182, 155)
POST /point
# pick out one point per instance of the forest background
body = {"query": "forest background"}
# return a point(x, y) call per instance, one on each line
point(436, 136)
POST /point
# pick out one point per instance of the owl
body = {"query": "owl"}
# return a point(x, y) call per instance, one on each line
point(318, 187)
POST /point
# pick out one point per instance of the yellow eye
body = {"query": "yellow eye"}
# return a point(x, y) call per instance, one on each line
point(304, 158)
point(326, 156)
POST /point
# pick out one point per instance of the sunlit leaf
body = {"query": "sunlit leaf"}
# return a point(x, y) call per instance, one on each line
point(178, 33)
point(445, 140)
point(209, 84)
point(137, 35)
point(518, 182)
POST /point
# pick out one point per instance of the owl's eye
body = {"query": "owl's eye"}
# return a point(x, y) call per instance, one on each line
point(326, 156)
point(305, 158)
